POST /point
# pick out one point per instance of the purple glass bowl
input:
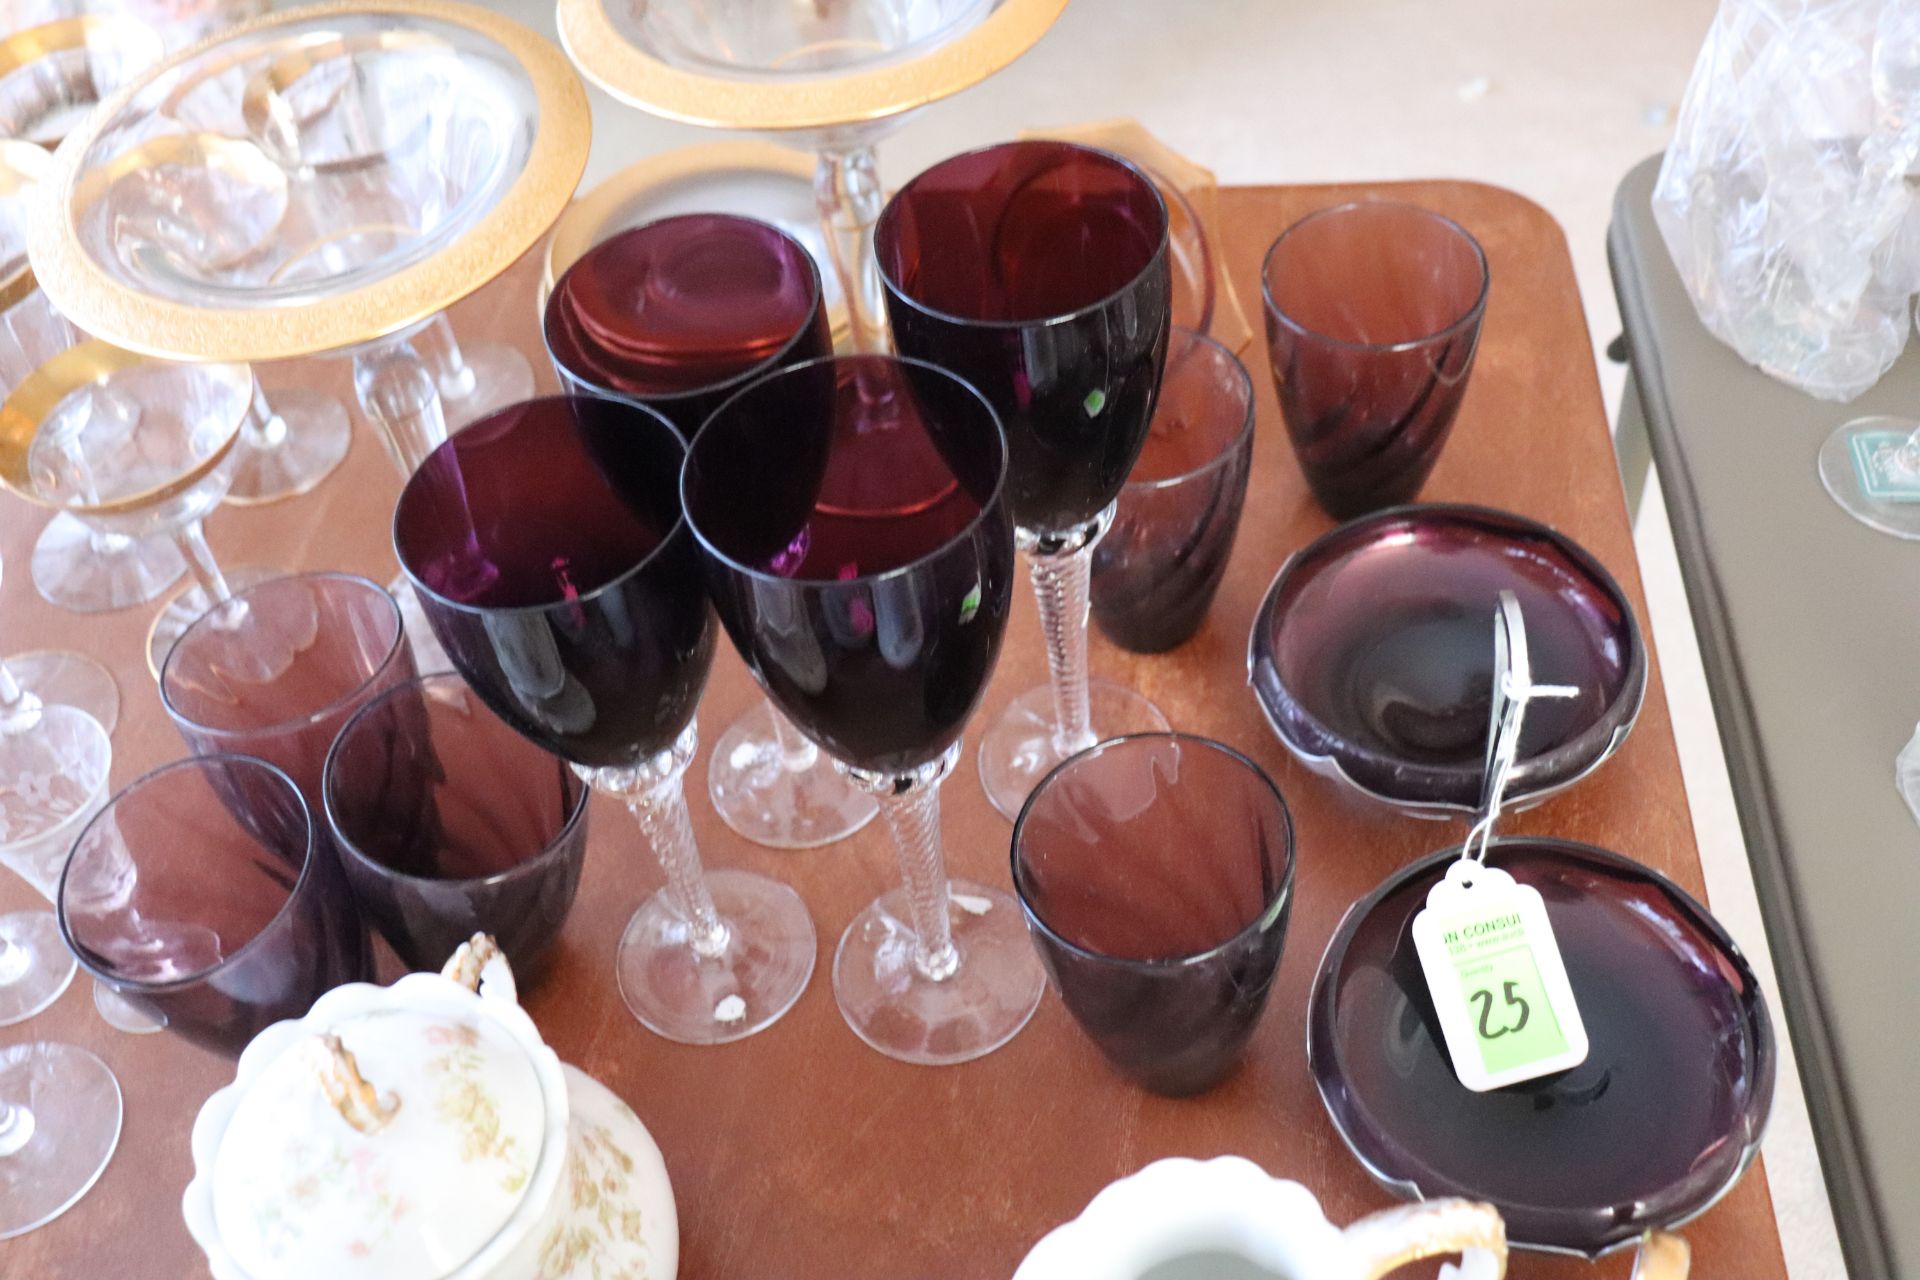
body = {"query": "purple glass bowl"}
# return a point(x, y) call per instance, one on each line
point(1372, 655)
point(1655, 1126)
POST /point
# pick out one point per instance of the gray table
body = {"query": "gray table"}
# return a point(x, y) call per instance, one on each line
point(1809, 625)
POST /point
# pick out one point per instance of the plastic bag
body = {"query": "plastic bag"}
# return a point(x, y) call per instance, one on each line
point(1785, 198)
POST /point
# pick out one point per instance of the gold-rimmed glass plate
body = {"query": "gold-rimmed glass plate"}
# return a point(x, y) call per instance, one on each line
point(318, 179)
point(799, 66)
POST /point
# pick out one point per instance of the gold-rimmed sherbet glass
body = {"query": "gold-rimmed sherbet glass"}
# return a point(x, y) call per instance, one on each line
point(139, 446)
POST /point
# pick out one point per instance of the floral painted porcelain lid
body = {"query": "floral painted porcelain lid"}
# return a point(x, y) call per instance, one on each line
point(397, 1143)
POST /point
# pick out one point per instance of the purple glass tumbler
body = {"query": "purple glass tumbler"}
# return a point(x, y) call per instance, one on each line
point(1373, 316)
point(1156, 872)
point(450, 823)
point(1156, 572)
point(278, 671)
point(202, 896)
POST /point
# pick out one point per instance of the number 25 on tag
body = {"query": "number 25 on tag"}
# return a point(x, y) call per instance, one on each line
point(1498, 983)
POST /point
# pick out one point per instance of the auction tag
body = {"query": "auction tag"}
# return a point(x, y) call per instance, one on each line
point(1496, 977)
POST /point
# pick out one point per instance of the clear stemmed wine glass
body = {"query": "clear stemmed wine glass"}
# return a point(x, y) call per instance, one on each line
point(1038, 272)
point(136, 445)
point(53, 778)
point(547, 546)
point(852, 514)
point(678, 315)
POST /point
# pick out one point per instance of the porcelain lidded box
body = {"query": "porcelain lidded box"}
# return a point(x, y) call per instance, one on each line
point(424, 1131)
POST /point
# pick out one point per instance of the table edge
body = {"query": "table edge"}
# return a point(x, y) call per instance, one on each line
point(1858, 1213)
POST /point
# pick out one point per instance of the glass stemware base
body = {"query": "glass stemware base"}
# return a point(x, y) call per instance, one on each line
point(35, 967)
point(906, 1014)
point(685, 993)
point(83, 570)
point(122, 1014)
point(298, 447)
point(59, 1124)
point(1852, 451)
point(775, 788)
point(1023, 745)
point(493, 376)
point(186, 606)
point(64, 679)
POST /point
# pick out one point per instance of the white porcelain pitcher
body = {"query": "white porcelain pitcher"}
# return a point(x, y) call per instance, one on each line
point(1227, 1219)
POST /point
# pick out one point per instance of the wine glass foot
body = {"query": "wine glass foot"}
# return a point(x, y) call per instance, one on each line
point(37, 968)
point(1018, 749)
point(770, 804)
point(63, 679)
point(81, 573)
point(75, 1109)
point(317, 435)
point(122, 1014)
point(184, 608)
point(1863, 474)
point(501, 376)
point(677, 993)
point(905, 1015)
point(428, 655)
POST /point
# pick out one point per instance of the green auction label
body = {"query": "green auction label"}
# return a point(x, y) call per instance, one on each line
point(1498, 984)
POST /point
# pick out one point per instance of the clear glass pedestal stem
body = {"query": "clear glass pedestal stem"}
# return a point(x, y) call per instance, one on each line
point(847, 190)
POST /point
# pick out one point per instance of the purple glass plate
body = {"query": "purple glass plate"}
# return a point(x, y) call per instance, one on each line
point(1372, 655)
point(1655, 1126)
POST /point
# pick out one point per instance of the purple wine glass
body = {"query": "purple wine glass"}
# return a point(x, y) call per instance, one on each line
point(449, 823)
point(548, 548)
point(1156, 873)
point(679, 314)
point(1371, 658)
point(1157, 570)
point(203, 897)
point(852, 517)
point(1656, 1125)
point(1373, 316)
point(1038, 271)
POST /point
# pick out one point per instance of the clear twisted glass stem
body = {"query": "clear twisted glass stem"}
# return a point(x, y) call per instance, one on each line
point(1061, 566)
point(192, 542)
point(910, 806)
point(654, 795)
point(797, 752)
point(399, 394)
point(846, 188)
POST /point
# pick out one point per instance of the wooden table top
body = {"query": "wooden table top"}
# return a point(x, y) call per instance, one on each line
point(803, 1153)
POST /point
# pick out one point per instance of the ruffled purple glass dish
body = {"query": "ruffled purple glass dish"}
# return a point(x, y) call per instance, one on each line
point(1651, 1130)
point(1372, 659)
